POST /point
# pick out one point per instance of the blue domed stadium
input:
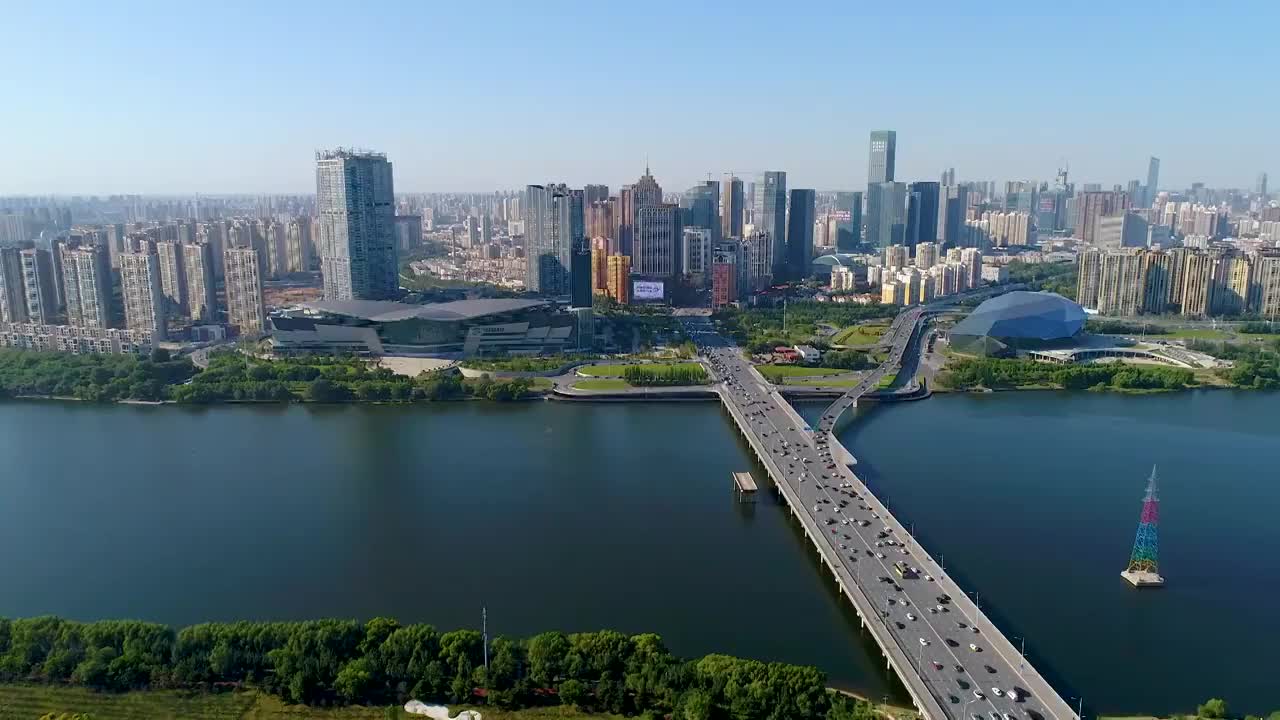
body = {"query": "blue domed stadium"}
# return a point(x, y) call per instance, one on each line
point(1018, 321)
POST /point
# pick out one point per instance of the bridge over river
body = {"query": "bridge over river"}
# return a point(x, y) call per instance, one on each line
point(954, 662)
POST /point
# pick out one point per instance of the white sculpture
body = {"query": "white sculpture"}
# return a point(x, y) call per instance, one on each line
point(438, 712)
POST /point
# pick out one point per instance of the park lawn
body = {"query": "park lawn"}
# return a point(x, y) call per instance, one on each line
point(860, 335)
point(1196, 334)
point(27, 702)
point(602, 384)
point(775, 372)
point(618, 370)
point(541, 383)
point(886, 381)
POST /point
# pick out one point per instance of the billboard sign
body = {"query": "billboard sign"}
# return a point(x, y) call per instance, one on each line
point(647, 290)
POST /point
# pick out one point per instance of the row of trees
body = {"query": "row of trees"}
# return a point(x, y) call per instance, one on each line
point(847, 360)
point(102, 378)
point(544, 363)
point(664, 376)
point(381, 661)
point(235, 377)
point(1060, 277)
point(1001, 373)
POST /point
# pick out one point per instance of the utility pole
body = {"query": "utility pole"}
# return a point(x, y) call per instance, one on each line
point(484, 633)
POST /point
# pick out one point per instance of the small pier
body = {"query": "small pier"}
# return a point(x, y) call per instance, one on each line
point(744, 487)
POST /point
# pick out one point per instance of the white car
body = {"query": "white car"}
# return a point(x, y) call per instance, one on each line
point(880, 555)
point(974, 647)
point(924, 643)
point(995, 690)
point(978, 694)
point(911, 617)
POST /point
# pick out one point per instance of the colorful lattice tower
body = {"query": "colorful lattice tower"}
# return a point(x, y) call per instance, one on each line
point(1144, 564)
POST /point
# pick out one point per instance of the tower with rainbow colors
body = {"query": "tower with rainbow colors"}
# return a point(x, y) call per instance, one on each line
point(1144, 567)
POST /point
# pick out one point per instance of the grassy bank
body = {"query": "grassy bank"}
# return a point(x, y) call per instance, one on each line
point(775, 373)
point(602, 384)
point(28, 702)
point(617, 370)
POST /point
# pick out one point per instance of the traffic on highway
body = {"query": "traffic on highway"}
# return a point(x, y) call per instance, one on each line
point(946, 648)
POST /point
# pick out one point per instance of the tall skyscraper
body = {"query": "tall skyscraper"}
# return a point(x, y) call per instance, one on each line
point(1153, 180)
point(142, 291)
point(656, 248)
point(580, 275)
point(949, 176)
point(922, 213)
point(731, 208)
point(86, 280)
point(1262, 184)
point(700, 207)
point(849, 221)
point(355, 202)
point(770, 213)
point(647, 190)
point(546, 265)
point(197, 271)
point(245, 307)
point(592, 194)
point(800, 233)
point(886, 207)
point(884, 150)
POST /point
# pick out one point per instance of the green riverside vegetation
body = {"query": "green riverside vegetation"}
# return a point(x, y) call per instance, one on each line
point(1255, 366)
point(544, 363)
point(971, 373)
point(381, 662)
point(232, 377)
point(665, 375)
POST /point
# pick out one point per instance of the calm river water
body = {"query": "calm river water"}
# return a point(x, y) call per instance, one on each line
point(582, 516)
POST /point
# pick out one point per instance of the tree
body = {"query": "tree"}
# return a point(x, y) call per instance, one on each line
point(1213, 708)
point(573, 692)
point(354, 679)
point(326, 391)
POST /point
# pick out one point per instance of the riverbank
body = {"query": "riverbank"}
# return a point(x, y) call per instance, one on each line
point(23, 702)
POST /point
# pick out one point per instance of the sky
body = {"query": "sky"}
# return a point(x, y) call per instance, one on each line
point(182, 97)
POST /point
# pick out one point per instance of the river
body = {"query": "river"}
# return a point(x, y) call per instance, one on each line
point(588, 516)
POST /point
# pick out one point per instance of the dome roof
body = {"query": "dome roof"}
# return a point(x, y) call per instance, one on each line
point(1024, 315)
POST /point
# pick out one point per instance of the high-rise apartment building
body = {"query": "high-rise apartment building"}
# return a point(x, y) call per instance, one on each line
point(1157, 267)
point(600, 253)
point(1089, 277)
point(926, 255)
point(549, 237)
point(971, 258)
point(769, 210)
point(13, 303)
point(39, 285)
point(355, 201)
point(1199, 289)
point(1126, 230)
point(1095, 205)
point(142, 290)
point(245, 306)
point(731, 208)
point(656, 246)
point(1266, 286)
point(86, 281)
point(173, 276)
point(800, 234)
point(299, 254)
point(724, 272)
point(197, 272)
point(883, 155)
point(896, 257)
point(755, 272)
point(1120, 291)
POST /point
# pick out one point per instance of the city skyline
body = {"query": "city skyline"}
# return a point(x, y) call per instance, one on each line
point(467, 129)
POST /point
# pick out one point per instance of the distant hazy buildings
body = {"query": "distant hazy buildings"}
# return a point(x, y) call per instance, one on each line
point(245, 309)
point(1153, 181)
point(1193, 282)
point(355, 202)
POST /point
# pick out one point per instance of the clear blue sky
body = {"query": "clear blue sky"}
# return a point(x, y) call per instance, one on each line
point(180, 96)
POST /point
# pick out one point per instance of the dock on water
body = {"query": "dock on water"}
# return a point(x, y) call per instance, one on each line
point(744, 486)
